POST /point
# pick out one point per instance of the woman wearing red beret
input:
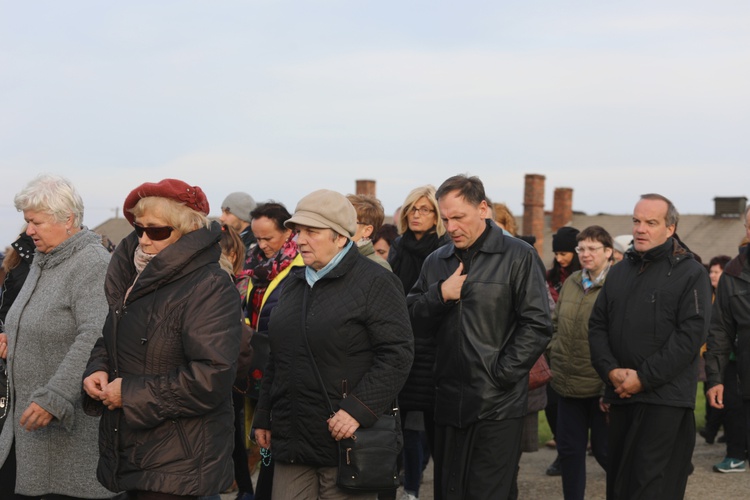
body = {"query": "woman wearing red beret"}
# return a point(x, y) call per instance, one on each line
point(162, 374)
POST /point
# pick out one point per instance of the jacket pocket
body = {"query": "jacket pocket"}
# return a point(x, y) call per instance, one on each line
point(162, 446)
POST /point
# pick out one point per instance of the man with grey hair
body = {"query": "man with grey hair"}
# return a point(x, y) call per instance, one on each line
point(645, 333)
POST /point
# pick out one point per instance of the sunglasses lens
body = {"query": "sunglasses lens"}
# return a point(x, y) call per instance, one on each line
point(154, 233)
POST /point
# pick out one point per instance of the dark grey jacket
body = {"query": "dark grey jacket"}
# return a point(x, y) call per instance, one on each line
point(652, 316)
point(358, 329)
point(488, 341)
point(175, 343)
point(730, 324)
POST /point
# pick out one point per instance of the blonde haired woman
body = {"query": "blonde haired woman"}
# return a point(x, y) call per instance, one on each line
point(422, 233)
point(161, 377)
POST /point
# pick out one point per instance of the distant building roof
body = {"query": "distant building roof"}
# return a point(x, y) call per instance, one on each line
point(114, 229)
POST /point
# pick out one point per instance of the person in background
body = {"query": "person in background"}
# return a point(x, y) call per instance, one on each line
point(383, 239)
point(564, 243)
point(422, 233)
point(233, 248)
point(16, 265)
point(621, 245)
point(342, 319)
point(579, 409)
point(370, 217)
point(162, 374)
point(235, 213)
point(268, 267)
point(48, 445)
point(645, 333)
point(504, 218)
point(729, 379)
point(714, 416)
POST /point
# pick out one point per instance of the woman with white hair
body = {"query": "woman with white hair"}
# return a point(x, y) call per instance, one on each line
point(48, 446)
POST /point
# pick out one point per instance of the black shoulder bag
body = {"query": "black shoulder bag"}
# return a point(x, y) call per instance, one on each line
point(368, 461)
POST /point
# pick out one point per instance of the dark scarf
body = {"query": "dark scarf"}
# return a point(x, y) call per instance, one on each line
point(411, 254)
point(262, 270)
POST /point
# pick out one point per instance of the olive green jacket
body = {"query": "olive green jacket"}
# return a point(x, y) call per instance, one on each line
point(573, 376)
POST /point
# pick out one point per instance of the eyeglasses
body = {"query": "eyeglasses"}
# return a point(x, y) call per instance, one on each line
point(580, 250)
point(423, 211)
point(154, 233)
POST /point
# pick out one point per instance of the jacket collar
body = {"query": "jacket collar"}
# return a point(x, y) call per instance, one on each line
point(670, 250)
point(346, 264)
point(739, 267)
point(64, 250)
point(193, 250)
point(495, 242)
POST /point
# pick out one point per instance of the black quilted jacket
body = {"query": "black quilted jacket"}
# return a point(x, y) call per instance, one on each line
point(175, 344)
point(358, 329)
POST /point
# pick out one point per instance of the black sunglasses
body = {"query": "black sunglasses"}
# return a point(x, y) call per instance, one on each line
point(154, 233)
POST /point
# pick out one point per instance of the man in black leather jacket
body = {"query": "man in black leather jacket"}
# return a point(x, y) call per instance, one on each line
point(645, 332)
point(483, 298)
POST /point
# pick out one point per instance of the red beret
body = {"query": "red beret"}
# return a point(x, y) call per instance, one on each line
point(174, 189)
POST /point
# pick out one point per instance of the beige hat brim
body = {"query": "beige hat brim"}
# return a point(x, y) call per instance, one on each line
point(312, 219)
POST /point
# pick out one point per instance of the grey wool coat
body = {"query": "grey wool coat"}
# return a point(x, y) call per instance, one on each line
point(51, 327)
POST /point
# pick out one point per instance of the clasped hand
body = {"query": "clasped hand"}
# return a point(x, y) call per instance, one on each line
point(626, 382)
point(342, 425)
point(98, 387)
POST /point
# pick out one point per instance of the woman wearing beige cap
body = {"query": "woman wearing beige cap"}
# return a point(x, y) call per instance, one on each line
point(352, 314)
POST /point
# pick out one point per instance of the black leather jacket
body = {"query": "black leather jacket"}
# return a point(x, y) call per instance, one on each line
point(488, 341)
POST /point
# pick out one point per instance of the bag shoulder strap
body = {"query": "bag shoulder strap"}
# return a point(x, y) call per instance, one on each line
point(309, 352)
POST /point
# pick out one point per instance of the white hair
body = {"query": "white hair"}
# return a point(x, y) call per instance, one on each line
point(53, 195)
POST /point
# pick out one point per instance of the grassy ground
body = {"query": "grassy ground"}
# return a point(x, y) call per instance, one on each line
point(545, 434)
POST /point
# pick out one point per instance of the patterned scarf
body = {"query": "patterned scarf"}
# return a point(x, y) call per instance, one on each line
point(588, 282)
point(262, 270)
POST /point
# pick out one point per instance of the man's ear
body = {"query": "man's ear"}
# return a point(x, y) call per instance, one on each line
point(367, 232)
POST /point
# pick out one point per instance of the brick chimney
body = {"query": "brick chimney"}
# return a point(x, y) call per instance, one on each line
point(562, 208)
point(366, 187)
point(533, 209)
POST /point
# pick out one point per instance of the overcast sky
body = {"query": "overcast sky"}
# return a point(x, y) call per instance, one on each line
point(278, 98)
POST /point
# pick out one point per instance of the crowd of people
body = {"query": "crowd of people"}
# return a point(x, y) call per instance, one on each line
point(153, 369)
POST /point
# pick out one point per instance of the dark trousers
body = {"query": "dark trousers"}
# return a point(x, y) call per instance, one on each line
point(575, 416)
point(550, 411)
point(239, 453)
point(650, 449)
point(478, 461)
point(734, 415)
point(414, 458)
point(714, 418)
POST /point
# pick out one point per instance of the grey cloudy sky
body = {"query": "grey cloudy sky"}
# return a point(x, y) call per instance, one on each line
point(278, 98)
